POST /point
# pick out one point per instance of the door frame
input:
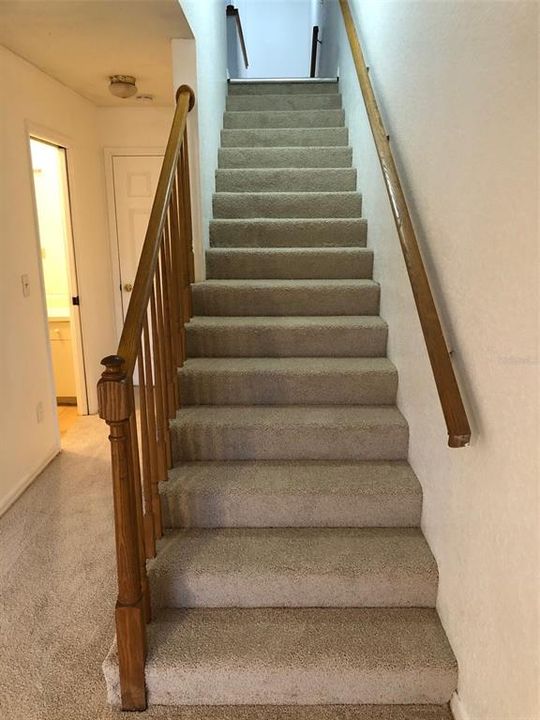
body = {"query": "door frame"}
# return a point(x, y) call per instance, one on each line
point(114, 246)
point(52, 137)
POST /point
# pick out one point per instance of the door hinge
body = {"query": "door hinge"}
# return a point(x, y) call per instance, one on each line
point(75, 300)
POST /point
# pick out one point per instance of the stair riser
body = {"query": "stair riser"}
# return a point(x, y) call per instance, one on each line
point(198, 590)
point(284, 119)
point(349, 232)
point(296, 656)
point(302, 101)
point(285, 88)
point(293, 300)
point(286, 342)
point(221, 510)
point(287, 265)
point(228, 495)
point(287, 205)
point(285, 157)
point(258, 388)
point(303, 685)
point(200, 441)
point(299, 137)
point(286, 180)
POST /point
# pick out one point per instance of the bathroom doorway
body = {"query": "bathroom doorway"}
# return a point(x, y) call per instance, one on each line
point(53, 210)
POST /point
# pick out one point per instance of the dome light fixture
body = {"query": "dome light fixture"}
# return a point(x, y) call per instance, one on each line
point(122, 86)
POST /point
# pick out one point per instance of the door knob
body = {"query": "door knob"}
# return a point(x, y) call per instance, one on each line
point(128, 287)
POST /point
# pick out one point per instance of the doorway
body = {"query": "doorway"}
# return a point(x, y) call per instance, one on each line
point(132, 177)
point(59, 272)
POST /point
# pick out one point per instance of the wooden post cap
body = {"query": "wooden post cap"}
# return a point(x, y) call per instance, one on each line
point(186, 88)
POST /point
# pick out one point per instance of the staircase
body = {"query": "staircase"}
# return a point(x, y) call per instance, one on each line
point(293, 570)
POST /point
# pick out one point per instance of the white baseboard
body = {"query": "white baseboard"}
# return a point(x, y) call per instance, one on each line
point(457, 708)
point(16, 492)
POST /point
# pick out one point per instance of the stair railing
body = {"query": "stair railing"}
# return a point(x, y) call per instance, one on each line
point(152, 345)
point(459, 432)
point(233, 12)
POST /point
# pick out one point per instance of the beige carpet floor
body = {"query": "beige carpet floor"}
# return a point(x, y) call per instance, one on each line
point(57, 591)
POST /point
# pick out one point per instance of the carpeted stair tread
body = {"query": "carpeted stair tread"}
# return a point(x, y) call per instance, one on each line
point(289, 263)
point(339, 336)
point(290, 137)
point(235, 120)
point(292, 494)
point(292, 432)
point(295, 656)
point(288, 232)
point(297, 579)
point(288, 381)
point(284, 157)
point(294, 567)
point(297, 712)
point(297, 87)
point(287, 204)
point(285, 297)
point(281, 101)
point(286, 180)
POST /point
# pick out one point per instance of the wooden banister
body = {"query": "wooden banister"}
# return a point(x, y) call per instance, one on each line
point(235, 13)
point(459, 432)
point(152, 343)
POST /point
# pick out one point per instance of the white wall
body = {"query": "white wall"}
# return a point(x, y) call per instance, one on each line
point(125, 127)
point(207, 64)
point(29, 96)
point(278, 37)
point(457, 84)
point(329, 19)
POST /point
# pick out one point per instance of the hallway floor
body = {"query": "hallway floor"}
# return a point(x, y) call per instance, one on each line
point(57, 591)
point(67, 417)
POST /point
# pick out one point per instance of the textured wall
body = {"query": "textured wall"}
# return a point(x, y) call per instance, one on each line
point(28, 96)
point(208, 24)
point(278, 37)
point(457, 84)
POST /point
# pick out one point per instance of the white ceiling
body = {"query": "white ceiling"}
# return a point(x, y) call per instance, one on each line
point(82, 42)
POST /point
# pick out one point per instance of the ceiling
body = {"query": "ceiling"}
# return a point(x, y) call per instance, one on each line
point(82, 42)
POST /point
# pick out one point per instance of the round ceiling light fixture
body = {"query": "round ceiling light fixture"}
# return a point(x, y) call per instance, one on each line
point(122, 86)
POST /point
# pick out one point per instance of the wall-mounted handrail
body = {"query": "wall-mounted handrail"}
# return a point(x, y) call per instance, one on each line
point(235, 13)
point(314, 47)
point(153, 345)
point(459, 432)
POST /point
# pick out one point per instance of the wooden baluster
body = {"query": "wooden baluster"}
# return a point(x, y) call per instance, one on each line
point(181, 254)
point(184, 155)
point(157, 469)
point(186, 241)
point(116, 407)
point(161, 369)
point(173, 310)
point(170, 355)
point(158, 390)
point(176, 271)
point(136, 472)
point(146, 441)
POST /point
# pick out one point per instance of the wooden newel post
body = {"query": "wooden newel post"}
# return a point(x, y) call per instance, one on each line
point(116, 407)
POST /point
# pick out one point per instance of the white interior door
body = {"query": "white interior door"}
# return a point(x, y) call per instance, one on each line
point(135, 180)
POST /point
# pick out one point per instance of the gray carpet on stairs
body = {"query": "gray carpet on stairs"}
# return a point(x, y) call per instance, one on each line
point(293, 571)
point(289, 263)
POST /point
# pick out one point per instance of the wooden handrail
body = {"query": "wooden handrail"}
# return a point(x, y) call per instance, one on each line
point(147, 263)
point(314, 47)
point(153, 344)
point(459, 432)
point(235, 13)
